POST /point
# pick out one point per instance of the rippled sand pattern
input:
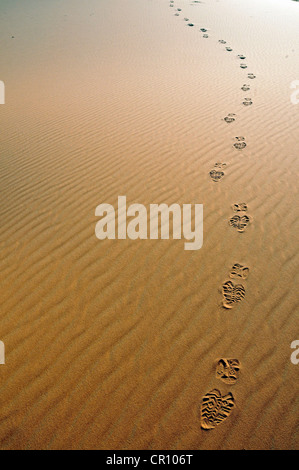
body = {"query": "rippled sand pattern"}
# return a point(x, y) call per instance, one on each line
point(113, 344)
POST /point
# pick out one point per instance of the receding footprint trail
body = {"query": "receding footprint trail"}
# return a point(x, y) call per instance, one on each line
point(215, 407)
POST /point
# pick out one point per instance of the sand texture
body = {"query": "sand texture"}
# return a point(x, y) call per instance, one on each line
point(122, 344)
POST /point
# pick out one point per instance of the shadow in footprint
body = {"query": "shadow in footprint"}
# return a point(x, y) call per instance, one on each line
point(215, 409)
point(232, 294)
point(227, 370)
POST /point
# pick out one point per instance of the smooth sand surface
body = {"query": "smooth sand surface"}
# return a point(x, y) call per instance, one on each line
point(113, 344)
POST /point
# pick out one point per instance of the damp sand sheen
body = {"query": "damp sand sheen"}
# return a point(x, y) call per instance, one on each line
point(139, 344)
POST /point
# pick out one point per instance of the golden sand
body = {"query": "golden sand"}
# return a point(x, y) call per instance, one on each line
point(113, 344)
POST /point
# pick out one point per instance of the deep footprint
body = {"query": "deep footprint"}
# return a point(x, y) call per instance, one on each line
point(227, 370)
point(215, 408)
point(232, 294)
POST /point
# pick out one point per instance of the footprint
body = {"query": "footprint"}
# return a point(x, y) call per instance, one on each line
point(243, 66)
point(239, 222)
point(245, 88)
point(215, 408)
point(179, 9)
point(240, 144)
point(227, 370)
point(190, 24)
point(229, 49)
point(220, 165)
point(203, 30)
point(216, 175)
point(230, 118)
point(186, 19)
point(251, 76)
point(239, 271)
point(247, 102)
point(232, 294)
point(242, 207)
point(205, 36)
point(176, 14)
point(241, 56)
point(222, 41)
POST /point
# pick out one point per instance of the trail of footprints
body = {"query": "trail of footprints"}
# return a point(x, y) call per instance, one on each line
point(216, 406)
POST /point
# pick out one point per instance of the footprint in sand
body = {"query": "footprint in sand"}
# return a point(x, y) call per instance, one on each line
point(241, 56)
point(239, 222)
point(190, 24)
point(220, 165)
point(216, 175)
point(251, 76)
point(227, 370)
point(186, 19)
point(230, 118)
point(240, 144)
point(215, 408)
point(243, 66)
point(232, 294)
point(239, 271)
point(241, 207)
point(222, 41)
point(247, 102)
point(229, 49)
point(203, 30)
point(205, 35)
point(245, 87)
point(179, 9)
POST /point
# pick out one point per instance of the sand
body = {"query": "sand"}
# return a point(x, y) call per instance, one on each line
point(114, 344)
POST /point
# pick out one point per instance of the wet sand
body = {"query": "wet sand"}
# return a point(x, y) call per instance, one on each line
point(113, 344)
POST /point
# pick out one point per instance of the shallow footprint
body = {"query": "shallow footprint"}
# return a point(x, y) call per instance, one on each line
point(251, 76)
point(247, 102)
point(216, 175)
point(239, 222)
point(205, 35)
point(241, 207)
point(243, 66)
point(241, 56)
point(203, 30)
point(232, 294)
point(245, 88)
point(190, 24)
point(220, 165)
point(222, 41)
point(240, 144)
point(229, 49)
point(215, 408)
point(230, 118)
point(239, 271)
point(227, 370)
